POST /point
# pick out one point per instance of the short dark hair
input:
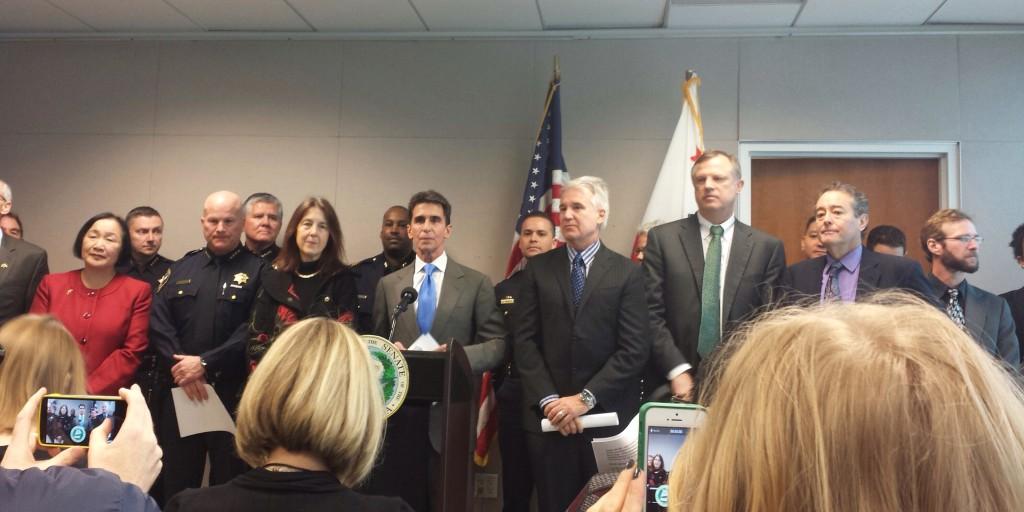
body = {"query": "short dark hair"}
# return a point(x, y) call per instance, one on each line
point(126, 246)
point(16, 219)
point(810, 220)
point(860, 199)
point(141, 211)
point(932, 229)
point(538, 215)
point(1015, 242)
point(432, 197)
point(886, 235)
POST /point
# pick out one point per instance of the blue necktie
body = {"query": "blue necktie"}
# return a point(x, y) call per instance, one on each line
point(427, 300)
point(579, 276)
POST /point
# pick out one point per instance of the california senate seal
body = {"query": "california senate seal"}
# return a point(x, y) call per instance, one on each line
point(392, 369)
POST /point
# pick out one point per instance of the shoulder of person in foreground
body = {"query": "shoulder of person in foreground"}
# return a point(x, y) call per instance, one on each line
point(226, 496)
point(68, 488)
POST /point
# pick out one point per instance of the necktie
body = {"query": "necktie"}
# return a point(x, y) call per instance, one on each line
point(832, 286)
point(427, 300)
point(953, 309)
point(710, 302)
point(578, 276)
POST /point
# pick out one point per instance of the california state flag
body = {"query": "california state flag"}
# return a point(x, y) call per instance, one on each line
point(673, 197)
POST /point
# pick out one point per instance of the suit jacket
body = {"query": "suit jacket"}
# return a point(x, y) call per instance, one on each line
point(22, 266)
point(466, 312)
point(1015, 299)
point(674, 267)
point(877, 272)
point(601, 346)
point(991, 324)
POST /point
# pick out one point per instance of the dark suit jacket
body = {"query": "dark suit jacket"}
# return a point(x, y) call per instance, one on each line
point(22, 266)
point(1015, 299)
point(877, 272)
point(674, 267)
point(990, 322)
point(602, 346)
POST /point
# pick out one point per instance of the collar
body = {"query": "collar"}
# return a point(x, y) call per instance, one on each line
point(441, 262)
point(224, 257)
point(149, 264)
point(404, 263)
point(588, 253)
point(850, 260)
point(941, 288)
point(705, 225)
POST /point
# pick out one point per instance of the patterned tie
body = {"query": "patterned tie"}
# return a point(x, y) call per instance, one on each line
point(953, 309)
point(832, 286)
point(578, 276)
point(427, 301)
point(710, 302)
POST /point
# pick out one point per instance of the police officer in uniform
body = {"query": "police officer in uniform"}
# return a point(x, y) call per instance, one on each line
point(198, 326)
point(263, 218)
point(536, 236)
point(394, 238)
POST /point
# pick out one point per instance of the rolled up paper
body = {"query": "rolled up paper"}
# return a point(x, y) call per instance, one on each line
point(604, 419)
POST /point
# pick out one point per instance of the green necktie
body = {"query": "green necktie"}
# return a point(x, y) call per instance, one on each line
point(710, 309)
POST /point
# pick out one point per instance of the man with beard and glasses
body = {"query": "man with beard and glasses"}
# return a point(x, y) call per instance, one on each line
point(950, 242)
point(397, 254)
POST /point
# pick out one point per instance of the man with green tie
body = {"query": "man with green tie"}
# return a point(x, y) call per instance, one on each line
point(706, 274)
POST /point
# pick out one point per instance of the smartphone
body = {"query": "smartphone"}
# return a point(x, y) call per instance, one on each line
point(664, 428)
point(67, 420)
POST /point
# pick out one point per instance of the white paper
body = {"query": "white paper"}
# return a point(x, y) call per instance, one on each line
point(613, 453)
point(605, 419)
point(199, 416)
point(425, 342)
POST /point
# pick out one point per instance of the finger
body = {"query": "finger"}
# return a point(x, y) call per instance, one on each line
point(579, 425)
point(637, 494)
point(98, 437)
point(64, 458)
point(399, 344)
point(179, 357)
point(202, 391)
point(614, 498)
point(138, 412)
point(23, 422)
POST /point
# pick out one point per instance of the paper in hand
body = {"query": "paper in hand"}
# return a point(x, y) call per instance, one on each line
point(199, 416)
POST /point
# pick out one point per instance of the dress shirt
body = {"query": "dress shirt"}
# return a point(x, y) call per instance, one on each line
point(441, 262)
point(848, 275)
point(941, 289)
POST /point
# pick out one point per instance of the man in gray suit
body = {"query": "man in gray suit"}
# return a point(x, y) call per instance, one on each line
point(950, 242)
point(695, 303)
point(22, 266)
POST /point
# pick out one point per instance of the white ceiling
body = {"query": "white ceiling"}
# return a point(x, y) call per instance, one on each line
point(530, 17)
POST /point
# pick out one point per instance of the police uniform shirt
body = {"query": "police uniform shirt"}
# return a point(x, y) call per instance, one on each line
point(149, 272)
point(368, 273)
point(269, 254)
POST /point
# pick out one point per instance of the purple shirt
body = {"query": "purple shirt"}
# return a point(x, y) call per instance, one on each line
point(847, 275)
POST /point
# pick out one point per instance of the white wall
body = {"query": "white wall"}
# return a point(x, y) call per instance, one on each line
point(91, 126)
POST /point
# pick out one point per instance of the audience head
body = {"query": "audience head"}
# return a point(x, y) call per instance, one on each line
point(887, 239)
point(146, 231)
point(394, 232)
point(1017, 244)
point(810, 242)
point(315, 392)
point(536, 234)
point(584, 210)
point(950, 242)
point(6, 198)
point(883, 405)
point(431, 223)
point(102, 242)
point(222, 222)
point(313, 234)
point(717, 182)
point(262, 220)
point(842, 214)
point(11, 225)
point(640, 242)
point(38, 352)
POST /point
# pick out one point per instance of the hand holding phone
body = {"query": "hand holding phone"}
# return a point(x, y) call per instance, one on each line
point(68, 420)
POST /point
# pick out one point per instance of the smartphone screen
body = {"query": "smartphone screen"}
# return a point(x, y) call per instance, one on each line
point(68, 420)
point(663, 444)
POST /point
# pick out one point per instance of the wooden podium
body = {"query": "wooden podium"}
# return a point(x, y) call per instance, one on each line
point(445, 378)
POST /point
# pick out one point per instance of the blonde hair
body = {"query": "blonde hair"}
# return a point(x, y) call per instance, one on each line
point(880, 406)
point(315, 391)
point(40, 352)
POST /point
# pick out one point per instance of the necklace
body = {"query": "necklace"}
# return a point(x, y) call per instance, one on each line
point(306, 276)
point(280, 467)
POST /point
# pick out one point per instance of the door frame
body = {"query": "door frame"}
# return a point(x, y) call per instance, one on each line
point(947, 152)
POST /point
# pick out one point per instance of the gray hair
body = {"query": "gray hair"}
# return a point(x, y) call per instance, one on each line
point(262, 197)
point(5, 191)
point(598, 189)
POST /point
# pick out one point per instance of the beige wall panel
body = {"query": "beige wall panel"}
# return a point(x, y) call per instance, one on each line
point(632, 89)
point(873, 88)
point(991, 71)
point(439, 89)
point(249, 88)
point(76, 87)
point(59, 181)
point(187, 169)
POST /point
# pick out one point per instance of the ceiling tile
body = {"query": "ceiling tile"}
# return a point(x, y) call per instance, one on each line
point(478, 15)
point(570, 14)
point(359, 15)
point(727, 16)
point(980, 11)
point(22, 16)
point(128, 15)
point(243, 15)
point(844, 13)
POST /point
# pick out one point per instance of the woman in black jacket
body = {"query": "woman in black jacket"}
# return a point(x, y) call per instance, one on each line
point(308, 278)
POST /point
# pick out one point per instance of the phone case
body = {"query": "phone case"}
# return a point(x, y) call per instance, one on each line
point(40, 440)
point(642, 444)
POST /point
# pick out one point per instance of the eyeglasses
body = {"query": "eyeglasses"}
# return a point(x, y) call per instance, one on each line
point(966, 239)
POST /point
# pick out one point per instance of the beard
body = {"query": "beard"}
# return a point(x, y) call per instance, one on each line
point(958, 265)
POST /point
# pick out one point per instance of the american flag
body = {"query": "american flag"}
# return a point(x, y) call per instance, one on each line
point(546, 175)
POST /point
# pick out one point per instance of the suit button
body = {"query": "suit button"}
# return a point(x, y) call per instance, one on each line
point(92, 293)
point(327, 299)
point(83, 339)
point(86, 315)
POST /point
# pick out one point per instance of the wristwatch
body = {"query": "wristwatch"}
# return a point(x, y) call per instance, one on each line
point(588, 399)
point(203, 363)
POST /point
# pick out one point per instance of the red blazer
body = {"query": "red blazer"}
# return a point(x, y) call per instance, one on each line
point(110, 324)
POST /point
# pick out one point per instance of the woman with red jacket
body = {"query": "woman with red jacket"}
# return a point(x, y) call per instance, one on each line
point(107, 313)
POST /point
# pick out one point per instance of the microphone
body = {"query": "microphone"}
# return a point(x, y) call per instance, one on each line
point(408, 296)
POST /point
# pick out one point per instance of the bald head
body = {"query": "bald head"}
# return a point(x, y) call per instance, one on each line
point(222, 221)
